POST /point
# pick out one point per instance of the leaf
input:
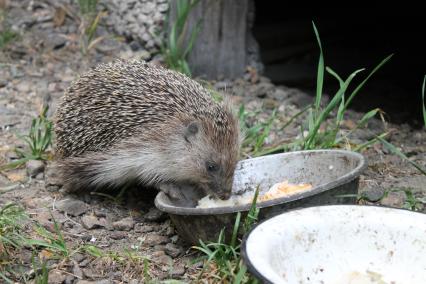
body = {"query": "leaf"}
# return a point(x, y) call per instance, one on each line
point(320, 71)
point(397, 152)
point(366, 79)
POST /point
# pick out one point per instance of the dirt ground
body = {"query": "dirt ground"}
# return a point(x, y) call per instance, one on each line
point(38, 66)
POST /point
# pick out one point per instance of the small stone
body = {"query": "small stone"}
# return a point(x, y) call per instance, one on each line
point(72, 207)
point(178, 270)
point(52, 175)
point(39, 176)
point(55, 41)
point(91, 222)
point(69, 279)
point(261, 90)
point(394, 199)
point(174, 239)
point(56, 277)
point(118, 235)
point(148, 8)
point(173, 250)
point(78, 257)
point(165, 259)
point(34, 167)
point(141, 228)
point(158, 253)
point(279, 94)
point(43, 217)
point(76, 270)
point(155, 239)
point(19, 175)
point(163, 7)
point(100, 213)
point(159, 248)
point(373, 194)
point(32, 202)
point(125, 224)
point(23, 86)
point(155, 215)
point(270, 104)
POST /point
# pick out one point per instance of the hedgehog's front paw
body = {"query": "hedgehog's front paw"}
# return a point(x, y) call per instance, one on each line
point(181, 194)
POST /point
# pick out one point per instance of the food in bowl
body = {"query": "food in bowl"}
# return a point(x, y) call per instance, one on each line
point(278, 190)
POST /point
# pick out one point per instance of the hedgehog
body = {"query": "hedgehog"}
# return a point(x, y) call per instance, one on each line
point(134, 122)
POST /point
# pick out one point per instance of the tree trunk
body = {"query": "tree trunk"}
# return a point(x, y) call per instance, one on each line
point(220, 50)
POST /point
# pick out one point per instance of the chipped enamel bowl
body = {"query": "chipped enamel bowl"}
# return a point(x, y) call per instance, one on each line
point(339, 244)
point(334, 176)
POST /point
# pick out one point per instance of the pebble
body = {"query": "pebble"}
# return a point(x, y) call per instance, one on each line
point(118, 235)
point(141, 228)
point(373, 194)
point(173, 250)
point(178, 270)
point(34, 167)
point(125, 224)
point(91, 222)
point(56, 277)
point(155, 239)
point(154, 215)
point(72, 207)
point(76, 270)
point(165, 260)
point(394, 199)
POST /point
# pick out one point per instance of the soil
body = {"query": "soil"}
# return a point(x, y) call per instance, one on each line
point(35, 70)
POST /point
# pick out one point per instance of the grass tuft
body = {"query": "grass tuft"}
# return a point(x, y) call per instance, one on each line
point(175, 48)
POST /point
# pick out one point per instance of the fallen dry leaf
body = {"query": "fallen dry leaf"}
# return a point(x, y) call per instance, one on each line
point(59, 17)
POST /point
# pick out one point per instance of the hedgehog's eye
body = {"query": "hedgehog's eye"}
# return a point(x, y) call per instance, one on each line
point(212, 167)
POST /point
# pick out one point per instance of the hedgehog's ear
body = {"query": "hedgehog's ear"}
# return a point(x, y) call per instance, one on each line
point(191, 130)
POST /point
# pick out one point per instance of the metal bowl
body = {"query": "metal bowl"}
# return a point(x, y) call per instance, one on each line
point(339, 244)
point(333, 174)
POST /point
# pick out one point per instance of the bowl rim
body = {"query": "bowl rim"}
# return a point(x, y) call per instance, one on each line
point(348, 177)
point(243, 249)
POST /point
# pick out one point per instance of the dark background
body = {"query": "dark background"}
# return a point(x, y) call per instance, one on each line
point(354, 35)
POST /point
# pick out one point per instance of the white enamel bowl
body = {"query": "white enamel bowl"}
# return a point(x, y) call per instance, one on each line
point(339, 244)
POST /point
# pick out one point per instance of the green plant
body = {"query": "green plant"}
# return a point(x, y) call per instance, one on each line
point(39, 139)
point(175, 49)
point(223, 259)
point(412, 202)
point(42, 274)
point(90, 19)
point(6, 34)
point(11, 217)
point(320, 134)
point(423, 102)
point(319, 131)
point(6, 37)
point(256, 134)
point(400, 154)
point(54, 242)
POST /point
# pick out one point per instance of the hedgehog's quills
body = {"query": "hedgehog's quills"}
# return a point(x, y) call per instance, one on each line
point(135, 122)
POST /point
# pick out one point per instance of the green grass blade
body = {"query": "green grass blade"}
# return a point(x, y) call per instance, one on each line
point(362, 146)
point(397, 152)
point(366, 79)
point(366, 117)
point(235, 230)
point(331, 105)
point(240, 275)
point(320, 71)
point(192, 39)
point(7, 280)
